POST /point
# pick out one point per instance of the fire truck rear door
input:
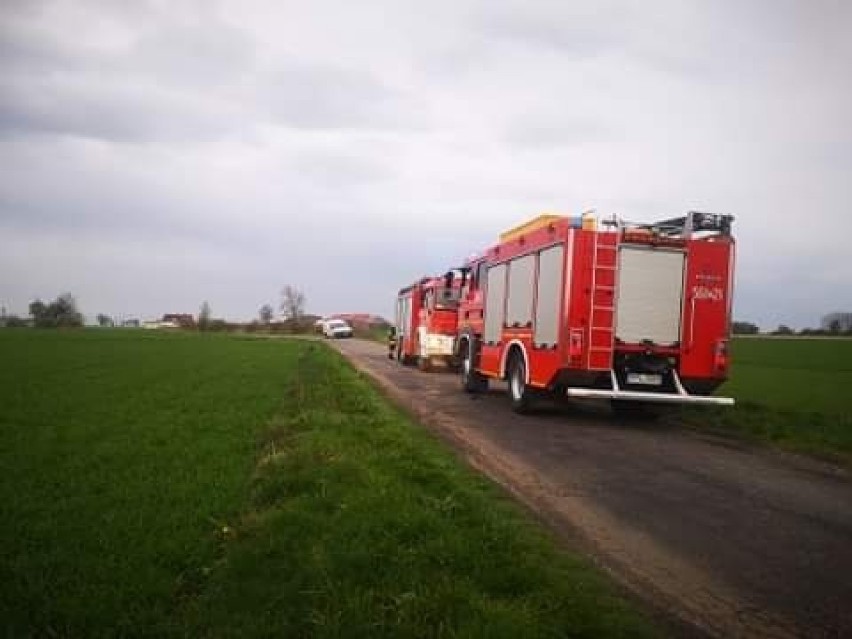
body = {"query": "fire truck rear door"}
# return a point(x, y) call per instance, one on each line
point(650, 293)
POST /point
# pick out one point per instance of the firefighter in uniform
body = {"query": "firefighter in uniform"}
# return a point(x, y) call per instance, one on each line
point(391, 342)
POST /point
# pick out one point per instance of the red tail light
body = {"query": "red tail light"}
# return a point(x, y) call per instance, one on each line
point(720, 355)
point(575, 344)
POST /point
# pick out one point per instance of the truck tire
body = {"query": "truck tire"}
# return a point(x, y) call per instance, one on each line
point(424, 364)
point(472, 381)
point(520, 392)
point(403, 359)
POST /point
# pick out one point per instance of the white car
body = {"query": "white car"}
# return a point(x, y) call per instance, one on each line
point(335, 328)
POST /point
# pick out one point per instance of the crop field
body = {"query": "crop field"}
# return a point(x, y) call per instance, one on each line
point(807, 375)
point(792, 392)
point(196, 485)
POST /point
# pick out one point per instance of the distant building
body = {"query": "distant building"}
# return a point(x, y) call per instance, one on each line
point(154, 324)
point(837, 322)
point(184, 320)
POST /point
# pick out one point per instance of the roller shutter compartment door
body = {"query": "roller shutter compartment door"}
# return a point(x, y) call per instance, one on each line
point(521, 282)
point(495, 298)
point(650, 295)
point(548, 296)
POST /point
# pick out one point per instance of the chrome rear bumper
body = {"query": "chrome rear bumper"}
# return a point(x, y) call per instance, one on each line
point(638, 396)
point(680, 397)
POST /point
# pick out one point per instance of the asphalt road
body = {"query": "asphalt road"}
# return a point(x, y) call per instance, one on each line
point(725, 540)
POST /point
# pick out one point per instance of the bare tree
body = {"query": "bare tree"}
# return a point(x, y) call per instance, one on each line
point(292, 303)
point(266, 313)
point(38, 310)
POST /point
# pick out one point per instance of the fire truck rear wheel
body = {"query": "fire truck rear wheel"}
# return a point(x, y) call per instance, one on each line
point(519, 391)
point(472, 381)
point(424, 364)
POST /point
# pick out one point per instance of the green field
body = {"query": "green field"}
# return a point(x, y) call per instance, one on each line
point(794, 393)
point(192, 485)
point(808, 375)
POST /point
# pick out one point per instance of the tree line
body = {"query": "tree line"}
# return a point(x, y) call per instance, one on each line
point(63, 312)
point(750, 328)
point(60, 313)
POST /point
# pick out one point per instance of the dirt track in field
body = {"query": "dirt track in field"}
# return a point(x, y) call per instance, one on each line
point(721, 539)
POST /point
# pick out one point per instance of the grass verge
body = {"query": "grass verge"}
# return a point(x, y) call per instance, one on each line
point(363, 525)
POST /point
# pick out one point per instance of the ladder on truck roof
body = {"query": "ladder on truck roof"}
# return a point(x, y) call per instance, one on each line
point(602, 302)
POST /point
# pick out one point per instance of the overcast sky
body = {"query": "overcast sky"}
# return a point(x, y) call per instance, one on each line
point(154, 155)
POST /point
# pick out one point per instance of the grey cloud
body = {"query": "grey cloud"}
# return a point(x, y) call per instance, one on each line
point(543, 132)
point(179, 86)
point(203, 50)
point(133, 94)
point(796, 293)
point(313, 96)
point(341, 168)
point(125, 113)
point(207, 55)
point(577, 29)
point(27, 50)
point(220, 150)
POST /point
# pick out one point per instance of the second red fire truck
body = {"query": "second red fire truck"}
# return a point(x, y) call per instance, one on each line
point(633, 313)
point(427, 321)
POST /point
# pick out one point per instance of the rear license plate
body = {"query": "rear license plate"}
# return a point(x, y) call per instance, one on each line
point(647, 379)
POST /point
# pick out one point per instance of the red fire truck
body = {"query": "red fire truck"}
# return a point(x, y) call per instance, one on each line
point(633, 313)
point(427, 321)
